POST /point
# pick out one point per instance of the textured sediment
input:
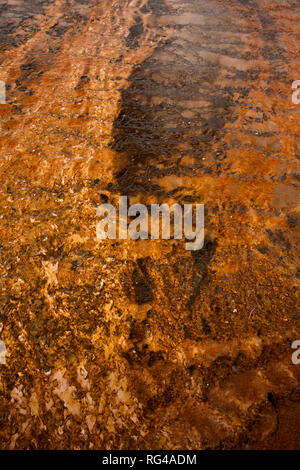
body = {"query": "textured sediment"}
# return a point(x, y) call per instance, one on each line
point(142, 344)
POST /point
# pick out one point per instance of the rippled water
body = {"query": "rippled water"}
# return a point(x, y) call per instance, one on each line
point(141, 344)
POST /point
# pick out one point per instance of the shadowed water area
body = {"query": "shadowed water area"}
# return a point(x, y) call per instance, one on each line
point(141, 344)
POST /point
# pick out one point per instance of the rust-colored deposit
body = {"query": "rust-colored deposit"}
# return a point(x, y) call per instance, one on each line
point(141, 344)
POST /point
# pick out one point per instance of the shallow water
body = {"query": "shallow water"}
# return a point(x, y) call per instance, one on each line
point(124, 344)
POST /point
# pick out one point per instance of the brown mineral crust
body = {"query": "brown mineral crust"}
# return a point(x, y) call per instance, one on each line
point(144, 345)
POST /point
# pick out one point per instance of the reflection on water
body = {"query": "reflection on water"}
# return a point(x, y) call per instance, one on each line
point(182, 96)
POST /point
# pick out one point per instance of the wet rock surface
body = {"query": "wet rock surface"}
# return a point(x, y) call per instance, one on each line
point(141, 344)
